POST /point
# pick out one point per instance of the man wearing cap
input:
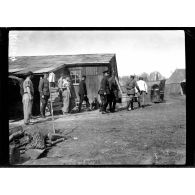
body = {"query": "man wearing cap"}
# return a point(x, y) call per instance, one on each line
point(130, 86)
point(104, 92)
point(143, 91)
point(44, 93)
point(27, 99)
point(83, 93)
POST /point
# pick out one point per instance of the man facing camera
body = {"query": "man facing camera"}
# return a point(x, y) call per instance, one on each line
point(104, 92)
point(44, 93)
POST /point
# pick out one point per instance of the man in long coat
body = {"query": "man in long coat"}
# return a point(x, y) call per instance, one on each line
point(83, 93)
point(104, 92)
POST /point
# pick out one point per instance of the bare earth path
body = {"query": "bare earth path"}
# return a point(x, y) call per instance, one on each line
point(154, 135)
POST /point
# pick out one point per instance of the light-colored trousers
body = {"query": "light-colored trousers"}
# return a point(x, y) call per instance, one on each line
point(66, 100)
point(141, 98)
point(27, 107)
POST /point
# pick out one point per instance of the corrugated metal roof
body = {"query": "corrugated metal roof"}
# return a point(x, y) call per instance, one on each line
point(39, 64)
point(177, 77)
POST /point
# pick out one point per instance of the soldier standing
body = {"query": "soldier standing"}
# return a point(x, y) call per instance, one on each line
point(104, 92)
point(44, 93)
point(130, 86)
point(83, 93)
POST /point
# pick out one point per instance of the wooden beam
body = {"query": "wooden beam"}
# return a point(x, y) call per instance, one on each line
point(118, 85)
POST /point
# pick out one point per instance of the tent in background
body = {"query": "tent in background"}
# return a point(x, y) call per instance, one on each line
point(173, 85)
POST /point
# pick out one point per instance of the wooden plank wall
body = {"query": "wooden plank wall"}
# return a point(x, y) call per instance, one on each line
point(93, 78)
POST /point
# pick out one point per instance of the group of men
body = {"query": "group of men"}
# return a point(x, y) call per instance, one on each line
point(64, 86)
point(44, 90)
point(108, 93)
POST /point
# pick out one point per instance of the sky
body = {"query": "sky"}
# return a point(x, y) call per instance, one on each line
point(136, 51)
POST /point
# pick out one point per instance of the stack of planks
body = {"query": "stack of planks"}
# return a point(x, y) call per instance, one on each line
point(55, 99)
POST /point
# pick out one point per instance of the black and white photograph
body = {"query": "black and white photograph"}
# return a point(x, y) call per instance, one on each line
point(97, 97)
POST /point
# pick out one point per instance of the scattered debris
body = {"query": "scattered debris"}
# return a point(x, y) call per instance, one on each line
point(57, 141)
point(156, 157)
point(32, 143)
point(16, 135)
point(55, 136)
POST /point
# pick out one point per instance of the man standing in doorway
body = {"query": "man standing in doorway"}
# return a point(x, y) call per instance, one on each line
point(27, 99)
point(83, 93)
point(143, 91)
point(104, 92)
point(44, 93)
point(130, 86)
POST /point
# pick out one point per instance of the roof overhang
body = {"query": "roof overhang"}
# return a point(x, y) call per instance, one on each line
point(13, 70)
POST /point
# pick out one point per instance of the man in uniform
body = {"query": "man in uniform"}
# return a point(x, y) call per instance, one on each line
point(113, 93)
point(44, 93)
point(27, 98)
point(83, 93)
point(104, 92)
point(130, 86)
point(143, 91)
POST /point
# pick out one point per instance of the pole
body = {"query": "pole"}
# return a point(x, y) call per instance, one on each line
point(118, 85)
point(51, 108)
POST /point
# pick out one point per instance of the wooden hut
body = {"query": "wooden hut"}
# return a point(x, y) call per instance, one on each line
point(91, 65)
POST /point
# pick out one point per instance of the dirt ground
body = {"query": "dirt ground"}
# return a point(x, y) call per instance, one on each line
point(155, 135)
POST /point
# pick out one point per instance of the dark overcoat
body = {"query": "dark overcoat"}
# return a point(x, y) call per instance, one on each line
point(104, 85)
point(82, 88)
point(130, 86)
point(44, 87)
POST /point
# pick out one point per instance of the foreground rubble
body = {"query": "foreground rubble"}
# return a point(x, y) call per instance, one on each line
point(31, 142)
